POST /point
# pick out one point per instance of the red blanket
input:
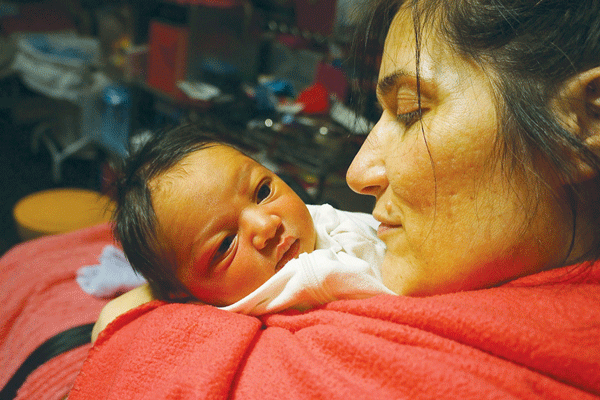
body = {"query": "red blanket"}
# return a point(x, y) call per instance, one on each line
point(39, 298)
point(537, 337)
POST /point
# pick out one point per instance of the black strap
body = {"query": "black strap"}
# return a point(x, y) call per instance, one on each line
point(57, 344)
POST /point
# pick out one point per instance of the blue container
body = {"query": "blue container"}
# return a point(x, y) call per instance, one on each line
point(116, 106)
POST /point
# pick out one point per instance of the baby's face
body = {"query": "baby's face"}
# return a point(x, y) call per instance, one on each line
point(230, 223)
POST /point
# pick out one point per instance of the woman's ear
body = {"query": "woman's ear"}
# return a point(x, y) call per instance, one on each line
point(579, 111)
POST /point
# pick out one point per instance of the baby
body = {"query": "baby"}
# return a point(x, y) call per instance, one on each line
point(202, 221)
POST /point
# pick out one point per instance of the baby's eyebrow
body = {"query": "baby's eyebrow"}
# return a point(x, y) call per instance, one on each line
point(202, 263)
point(242, 179)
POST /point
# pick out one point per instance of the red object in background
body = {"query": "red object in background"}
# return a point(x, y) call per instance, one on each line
point(167, 57)
point(315, 16)
point(315, 99)
point(37, 17)
point(333, 79)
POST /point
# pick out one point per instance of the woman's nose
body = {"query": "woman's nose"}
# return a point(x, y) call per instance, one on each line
point(367, 173)
point(262, 226)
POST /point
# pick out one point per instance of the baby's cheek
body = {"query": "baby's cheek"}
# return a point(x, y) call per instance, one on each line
point(241, 280)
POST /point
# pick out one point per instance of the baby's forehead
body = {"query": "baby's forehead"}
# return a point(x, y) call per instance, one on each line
point(204, 165)
point(211, 154)
point(216, 153)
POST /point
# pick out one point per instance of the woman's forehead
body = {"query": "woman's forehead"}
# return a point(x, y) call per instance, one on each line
point(439, 65)
point(400, 50)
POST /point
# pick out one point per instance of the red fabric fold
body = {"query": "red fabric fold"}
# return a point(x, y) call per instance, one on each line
point(41, 298)
point(533, 338)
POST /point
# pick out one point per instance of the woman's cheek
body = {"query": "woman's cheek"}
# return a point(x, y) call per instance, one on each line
point(411, 177)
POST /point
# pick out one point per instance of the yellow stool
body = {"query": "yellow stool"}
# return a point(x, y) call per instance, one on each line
point(60, 210)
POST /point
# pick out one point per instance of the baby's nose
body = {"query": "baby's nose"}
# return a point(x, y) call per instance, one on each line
point(263, 226)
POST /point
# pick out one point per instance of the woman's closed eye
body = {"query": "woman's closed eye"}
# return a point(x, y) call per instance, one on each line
point(409, 118)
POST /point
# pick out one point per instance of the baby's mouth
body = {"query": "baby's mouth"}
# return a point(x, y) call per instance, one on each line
point(289, 254)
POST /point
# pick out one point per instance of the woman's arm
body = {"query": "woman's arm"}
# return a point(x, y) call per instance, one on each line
point(121, 305)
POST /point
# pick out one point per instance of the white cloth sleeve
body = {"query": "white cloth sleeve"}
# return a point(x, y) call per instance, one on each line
point(346, 265)
point(313, 279)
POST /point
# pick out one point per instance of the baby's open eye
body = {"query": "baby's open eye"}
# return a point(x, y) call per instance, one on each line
point(263, 192)
point(225, 244)
point(223, 247)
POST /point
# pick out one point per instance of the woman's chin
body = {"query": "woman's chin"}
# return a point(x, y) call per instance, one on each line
point(395, 274)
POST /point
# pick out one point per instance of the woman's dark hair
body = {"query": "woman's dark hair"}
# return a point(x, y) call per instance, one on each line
point(134, 220)
point(529, 48)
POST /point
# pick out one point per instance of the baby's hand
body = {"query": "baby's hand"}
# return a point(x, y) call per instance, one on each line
point(121, 305)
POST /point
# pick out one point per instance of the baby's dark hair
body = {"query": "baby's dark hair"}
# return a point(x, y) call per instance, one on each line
point(134, 220)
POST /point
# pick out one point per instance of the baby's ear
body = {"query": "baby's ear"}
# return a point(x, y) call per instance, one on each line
point(579, 111)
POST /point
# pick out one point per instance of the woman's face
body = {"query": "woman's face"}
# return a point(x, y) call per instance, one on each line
point(451, 217)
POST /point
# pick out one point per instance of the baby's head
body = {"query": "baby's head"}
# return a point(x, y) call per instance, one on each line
point(196, 216)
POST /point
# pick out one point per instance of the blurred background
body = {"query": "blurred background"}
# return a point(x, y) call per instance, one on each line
point(83, 83)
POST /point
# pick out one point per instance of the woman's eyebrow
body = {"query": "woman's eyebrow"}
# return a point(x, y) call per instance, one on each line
point(389, 82)
point(393, 81)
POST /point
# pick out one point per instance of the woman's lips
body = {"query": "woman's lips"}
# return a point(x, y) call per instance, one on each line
point(290, 250)
point(385, 228)
point(386, 224)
